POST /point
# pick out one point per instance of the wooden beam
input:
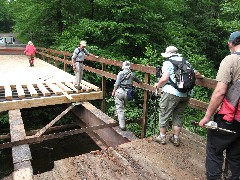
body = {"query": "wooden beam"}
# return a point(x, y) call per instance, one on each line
point(43, 89)
point(46, 101)
point(20, 91)
point(45, 128)
point(8, 92)
point(32, 90)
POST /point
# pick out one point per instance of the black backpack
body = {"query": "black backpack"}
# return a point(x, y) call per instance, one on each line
point(184, 74)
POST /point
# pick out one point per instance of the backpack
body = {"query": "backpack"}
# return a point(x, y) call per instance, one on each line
point(184, 75)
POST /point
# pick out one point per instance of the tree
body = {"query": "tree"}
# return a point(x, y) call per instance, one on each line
point(6, 19)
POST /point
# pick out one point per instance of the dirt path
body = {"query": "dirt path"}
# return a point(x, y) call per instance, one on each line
point(140, 159)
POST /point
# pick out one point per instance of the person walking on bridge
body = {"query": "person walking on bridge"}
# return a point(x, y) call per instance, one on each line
point(172, 101)
point(30, 52)
point(226, 94)
point(123, 83)
point(77, 62)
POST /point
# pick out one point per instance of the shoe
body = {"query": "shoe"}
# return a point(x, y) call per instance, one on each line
point(160, 139)
point(78, 87)
point(175, 141)
point(123, 128)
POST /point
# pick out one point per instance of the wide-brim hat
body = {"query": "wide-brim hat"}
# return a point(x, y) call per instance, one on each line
point(170, 51)
point(83, 43)
point(126, 65)
point(30, 43)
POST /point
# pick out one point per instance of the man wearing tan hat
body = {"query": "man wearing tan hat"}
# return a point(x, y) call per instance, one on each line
point(77, 62)
point(172, 101)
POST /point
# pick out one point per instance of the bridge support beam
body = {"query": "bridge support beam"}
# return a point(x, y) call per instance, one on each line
point(92, 116)
point(21, 154)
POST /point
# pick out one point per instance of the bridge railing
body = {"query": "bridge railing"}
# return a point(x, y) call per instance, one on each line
point(65, 58)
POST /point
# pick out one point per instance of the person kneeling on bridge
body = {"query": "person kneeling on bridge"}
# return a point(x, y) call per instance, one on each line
point(123, 84)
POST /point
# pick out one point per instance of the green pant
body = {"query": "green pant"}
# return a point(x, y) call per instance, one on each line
point(171, 105)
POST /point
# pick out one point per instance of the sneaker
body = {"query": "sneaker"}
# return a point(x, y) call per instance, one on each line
point(175, 141)
point(160, 139)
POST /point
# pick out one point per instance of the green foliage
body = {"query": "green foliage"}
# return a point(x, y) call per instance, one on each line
point(6, 19)
point(129, 30)
point(4, 119)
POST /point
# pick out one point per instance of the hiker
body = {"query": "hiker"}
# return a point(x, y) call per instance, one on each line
point(77, 62)
point(226, 94)
point(30, 51)
point(123, 84)
point(172, 101)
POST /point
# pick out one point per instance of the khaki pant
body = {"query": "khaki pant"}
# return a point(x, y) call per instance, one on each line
point(171, 105)
point(78, 73)
point(120, 102)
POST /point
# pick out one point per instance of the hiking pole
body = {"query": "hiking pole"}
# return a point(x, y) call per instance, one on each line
point(158, 75)
point(212, 125)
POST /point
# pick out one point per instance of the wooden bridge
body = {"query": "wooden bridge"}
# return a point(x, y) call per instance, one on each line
point(45, 84)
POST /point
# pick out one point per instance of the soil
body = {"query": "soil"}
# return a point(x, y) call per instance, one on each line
point(139, 159)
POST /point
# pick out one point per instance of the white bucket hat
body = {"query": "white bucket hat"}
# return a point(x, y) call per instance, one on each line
point(170, 51)
point(30, 43)
point(83, 43)
point(126, 65)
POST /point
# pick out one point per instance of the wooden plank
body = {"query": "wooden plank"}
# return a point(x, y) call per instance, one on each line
point(20, 91)
point(92, 86)
point(71, 85)
point(8, 92)
point(54, 88)
point(46, 101)
point(64, 88)
point(86, 88)
point(32, 90)
point(43, 89)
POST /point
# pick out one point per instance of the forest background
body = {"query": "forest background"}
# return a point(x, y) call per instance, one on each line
point(134, 30)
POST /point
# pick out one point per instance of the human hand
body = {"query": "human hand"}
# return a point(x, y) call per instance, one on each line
point(156, 85)
point(204, 121)
point(113, 93)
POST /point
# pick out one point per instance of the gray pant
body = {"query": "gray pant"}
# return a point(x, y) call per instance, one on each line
point(171, 105)
point(78, 73)
point(120, 102)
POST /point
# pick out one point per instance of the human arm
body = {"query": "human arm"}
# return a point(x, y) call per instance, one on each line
point(114, 91)
point(163, 80)
point(216, 100)
point(199, 75)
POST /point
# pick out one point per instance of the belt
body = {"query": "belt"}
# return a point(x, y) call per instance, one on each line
point(79, 61)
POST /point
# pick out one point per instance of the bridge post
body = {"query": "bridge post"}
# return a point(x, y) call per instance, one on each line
point(145, 106)
point(103, 103)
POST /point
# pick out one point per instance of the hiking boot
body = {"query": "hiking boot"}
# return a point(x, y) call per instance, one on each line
point(175, 141)
point(160, 139)
point(78, 87)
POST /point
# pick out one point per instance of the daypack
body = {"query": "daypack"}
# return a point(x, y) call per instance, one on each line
point(184, 75)
point(131, 92)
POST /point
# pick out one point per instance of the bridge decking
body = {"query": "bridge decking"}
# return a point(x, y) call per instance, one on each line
point(22, 86)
